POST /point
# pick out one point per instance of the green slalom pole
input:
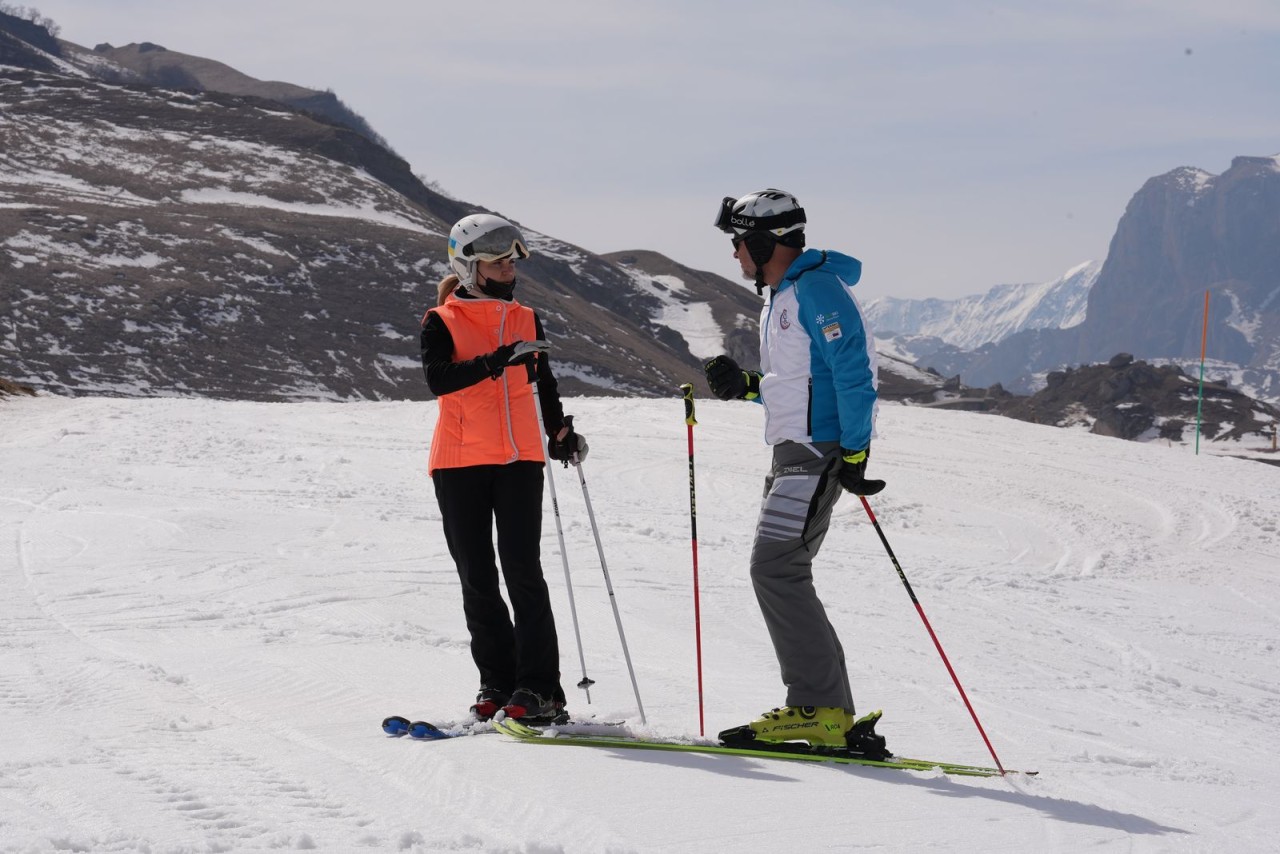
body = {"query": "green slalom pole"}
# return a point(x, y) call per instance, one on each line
point(1204, 337)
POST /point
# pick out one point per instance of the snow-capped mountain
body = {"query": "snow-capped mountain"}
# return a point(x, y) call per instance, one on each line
point(970, 322)
point(1192, 248)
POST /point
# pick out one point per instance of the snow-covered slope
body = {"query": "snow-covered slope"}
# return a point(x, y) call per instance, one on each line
point(208, 607)
point(970, 322)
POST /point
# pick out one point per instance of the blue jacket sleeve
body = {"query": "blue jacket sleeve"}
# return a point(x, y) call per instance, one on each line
point(840, 345)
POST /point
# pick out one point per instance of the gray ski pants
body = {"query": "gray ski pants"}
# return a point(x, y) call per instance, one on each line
point(799, 494)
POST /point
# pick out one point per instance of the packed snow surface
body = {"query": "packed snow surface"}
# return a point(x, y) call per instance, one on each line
point(208, 608)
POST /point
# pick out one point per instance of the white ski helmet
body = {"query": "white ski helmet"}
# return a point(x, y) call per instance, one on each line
point(773, 212)
point(482, 237)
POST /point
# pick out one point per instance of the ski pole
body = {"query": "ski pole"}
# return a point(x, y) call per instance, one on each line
point(690, 420)
point(586, 682)
point(617, 618)
point(919, 610)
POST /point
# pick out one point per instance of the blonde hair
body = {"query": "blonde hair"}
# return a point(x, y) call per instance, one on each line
point(446, 286)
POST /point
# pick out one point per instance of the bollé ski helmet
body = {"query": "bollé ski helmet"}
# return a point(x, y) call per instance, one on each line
point(762, 220)
point(482, 237)
point(772, 212)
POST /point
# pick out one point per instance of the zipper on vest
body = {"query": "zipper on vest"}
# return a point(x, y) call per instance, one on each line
point(506, 389)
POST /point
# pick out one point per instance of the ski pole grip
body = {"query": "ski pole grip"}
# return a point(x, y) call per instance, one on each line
point(686, 391)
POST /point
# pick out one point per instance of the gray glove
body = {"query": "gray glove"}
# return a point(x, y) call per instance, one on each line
point(515, 353)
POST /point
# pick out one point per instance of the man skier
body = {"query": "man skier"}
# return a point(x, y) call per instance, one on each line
point(817, 382)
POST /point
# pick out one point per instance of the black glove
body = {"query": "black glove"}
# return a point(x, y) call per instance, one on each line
point(729, 382)
point(562, 450)
point(515, 353)
point(853, 468)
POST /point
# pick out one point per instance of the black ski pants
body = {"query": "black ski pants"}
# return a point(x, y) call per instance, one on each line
point(509, 655)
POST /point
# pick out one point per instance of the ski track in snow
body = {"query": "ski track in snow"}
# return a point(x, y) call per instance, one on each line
point(209, 606)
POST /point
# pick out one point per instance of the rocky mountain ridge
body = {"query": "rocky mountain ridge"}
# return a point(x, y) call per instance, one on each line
point(153, 65)
point(162, 241)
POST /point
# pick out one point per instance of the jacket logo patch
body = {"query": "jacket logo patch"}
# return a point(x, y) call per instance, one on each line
point(785, 320)
point(831, 331)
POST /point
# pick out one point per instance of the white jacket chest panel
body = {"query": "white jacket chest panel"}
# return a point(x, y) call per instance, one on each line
point(786, 345)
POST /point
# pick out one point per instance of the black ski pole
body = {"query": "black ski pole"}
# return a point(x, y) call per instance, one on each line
point(690, 420)
point(929, 628)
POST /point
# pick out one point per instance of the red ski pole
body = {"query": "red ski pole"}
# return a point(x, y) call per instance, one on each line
point(929, 628)
point(687, 390)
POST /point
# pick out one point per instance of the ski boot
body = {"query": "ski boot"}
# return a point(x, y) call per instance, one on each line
point(488, 702)
point(819, 726)
point(531, 708)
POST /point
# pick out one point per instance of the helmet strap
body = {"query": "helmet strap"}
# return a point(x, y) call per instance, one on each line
point(760, 246)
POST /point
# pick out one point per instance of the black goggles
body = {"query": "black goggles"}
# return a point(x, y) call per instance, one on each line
point(726, 214)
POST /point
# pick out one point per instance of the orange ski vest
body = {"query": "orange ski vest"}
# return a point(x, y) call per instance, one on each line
point(492, 422)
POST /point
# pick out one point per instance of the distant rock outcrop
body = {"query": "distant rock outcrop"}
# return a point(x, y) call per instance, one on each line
point(1131, 399)
point(8, 388)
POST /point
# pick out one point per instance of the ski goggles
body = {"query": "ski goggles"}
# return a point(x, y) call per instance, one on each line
point(725, 215)
point(504, 242)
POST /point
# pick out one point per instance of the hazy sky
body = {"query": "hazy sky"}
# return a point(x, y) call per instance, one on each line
point(952, 146)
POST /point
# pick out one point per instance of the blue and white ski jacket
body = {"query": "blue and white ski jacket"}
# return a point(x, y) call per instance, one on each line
point(817, 356)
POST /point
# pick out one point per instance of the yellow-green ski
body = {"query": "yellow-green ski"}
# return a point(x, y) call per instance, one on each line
point(800, 752)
